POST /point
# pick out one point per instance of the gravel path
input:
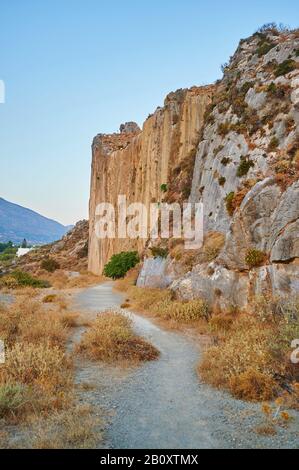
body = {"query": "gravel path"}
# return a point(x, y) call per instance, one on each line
point(162, 404)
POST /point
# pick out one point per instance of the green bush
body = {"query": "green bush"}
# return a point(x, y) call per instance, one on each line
point(254, 257)
point(26, 280)
point(285, 67)
point(50, 265)
point(159, 252)
point(244, 166)
point(120, 264)
point(12, 399)
point(7, 253)
point(163, 188)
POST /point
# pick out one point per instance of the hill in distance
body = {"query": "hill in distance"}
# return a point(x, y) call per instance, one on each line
point(17, 223)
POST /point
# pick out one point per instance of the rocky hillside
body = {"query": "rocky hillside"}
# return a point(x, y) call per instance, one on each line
point(70, 252)
point(235, 147)
point(17, 223)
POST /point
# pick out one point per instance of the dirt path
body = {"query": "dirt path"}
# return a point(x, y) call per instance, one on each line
point(162, 404)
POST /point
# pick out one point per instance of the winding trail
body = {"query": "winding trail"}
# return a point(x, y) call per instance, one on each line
point(162, 404)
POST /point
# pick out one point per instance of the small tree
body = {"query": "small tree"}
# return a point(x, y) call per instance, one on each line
point(24, 243)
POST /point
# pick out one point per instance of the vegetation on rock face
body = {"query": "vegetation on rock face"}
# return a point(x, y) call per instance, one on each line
point(264, 46)
point(222, 180)
point(244, 167)
point(111, 338)
point(225, 161)
point(223, 128)
point(229, 202)
point(273, 144)
point(233, 200)
point(159, 252)
point(164, 188)
point(285, 67)
point(254, 257)
point(120, 264)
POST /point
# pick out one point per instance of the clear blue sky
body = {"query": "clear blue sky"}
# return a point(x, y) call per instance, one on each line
point(74, 68)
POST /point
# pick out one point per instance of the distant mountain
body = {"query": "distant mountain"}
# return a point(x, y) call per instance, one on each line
point(17, 223)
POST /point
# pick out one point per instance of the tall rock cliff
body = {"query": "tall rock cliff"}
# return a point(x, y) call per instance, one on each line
point(233, 146)
point(137, 163)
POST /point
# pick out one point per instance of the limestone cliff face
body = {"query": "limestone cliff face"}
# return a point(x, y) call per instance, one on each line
point(137, 163)
point(234, 147)
point(246, 173)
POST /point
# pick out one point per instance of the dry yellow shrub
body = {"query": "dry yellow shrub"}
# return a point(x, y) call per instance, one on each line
point(160, 302)
point(111, 338)
point(36, 364)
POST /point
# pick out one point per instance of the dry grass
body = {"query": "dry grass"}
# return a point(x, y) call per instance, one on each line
point(36, 364)
point(111, 338)
point(37, 374)
point(249, 355)
point(26, 321)
point(84, 280)
point(50, 298)
point(125, 305)
point(128, 281)
point(60, 279)
point(266, 430)
point(69, 319)
point(221, 324)
point(160, 303)
point(37, 380)
point(75, 428)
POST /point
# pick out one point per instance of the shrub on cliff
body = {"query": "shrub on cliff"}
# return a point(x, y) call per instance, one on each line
point(254, 258)
point(120, 264)
point(285, 67)
point(229, 202)
point(244, 167)
point(50, 265)
point(159, 252)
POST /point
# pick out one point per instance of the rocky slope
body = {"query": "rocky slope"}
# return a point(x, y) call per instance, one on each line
point(70, 252)
point(235, 147)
